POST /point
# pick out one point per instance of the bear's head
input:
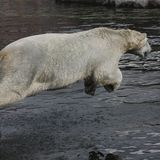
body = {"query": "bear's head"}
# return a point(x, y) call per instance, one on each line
point(137, 43)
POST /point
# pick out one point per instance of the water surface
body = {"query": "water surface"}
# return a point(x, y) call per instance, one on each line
point(66, 124)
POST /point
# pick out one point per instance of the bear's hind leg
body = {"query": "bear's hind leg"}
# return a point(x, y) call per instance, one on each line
point(9, 96)
point(13, 88)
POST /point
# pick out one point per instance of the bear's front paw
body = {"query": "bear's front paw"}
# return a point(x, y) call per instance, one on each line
point(109, 87)
point(90, 86)
point(90, 90)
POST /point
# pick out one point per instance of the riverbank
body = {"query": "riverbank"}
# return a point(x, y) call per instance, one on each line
point(118, 3)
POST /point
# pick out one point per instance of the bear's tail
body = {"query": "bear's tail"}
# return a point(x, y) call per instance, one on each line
point(4, 64)
point(3, 56)
point(1, 59)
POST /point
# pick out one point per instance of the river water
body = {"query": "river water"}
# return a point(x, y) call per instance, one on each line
point(66, 124)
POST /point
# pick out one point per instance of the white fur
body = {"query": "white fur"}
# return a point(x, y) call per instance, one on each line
point(145, 49)
point(51, 61)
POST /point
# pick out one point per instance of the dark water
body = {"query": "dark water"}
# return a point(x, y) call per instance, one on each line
point(67, 124)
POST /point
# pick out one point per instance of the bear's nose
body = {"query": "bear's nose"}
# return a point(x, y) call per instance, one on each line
point(145, 54)
point(109, 87)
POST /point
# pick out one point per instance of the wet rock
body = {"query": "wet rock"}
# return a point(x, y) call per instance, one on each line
point(100, 156)
point(111, 156)
point(96, 155)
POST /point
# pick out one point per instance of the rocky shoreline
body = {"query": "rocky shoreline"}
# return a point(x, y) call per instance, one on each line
point(118, 3)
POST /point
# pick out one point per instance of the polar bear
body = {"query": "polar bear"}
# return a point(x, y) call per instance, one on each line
point(52, 61)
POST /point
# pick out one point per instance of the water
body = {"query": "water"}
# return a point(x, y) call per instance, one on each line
point(66, 124)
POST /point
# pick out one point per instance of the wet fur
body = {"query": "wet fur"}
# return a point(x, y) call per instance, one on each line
point(53, 61)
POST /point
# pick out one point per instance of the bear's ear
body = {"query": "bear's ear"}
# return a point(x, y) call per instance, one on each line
point(137, 39)
point(140, 36)
point(142, 40)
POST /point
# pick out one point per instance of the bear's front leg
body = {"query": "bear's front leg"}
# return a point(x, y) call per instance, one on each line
point(90, 85)
point(108, 76)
